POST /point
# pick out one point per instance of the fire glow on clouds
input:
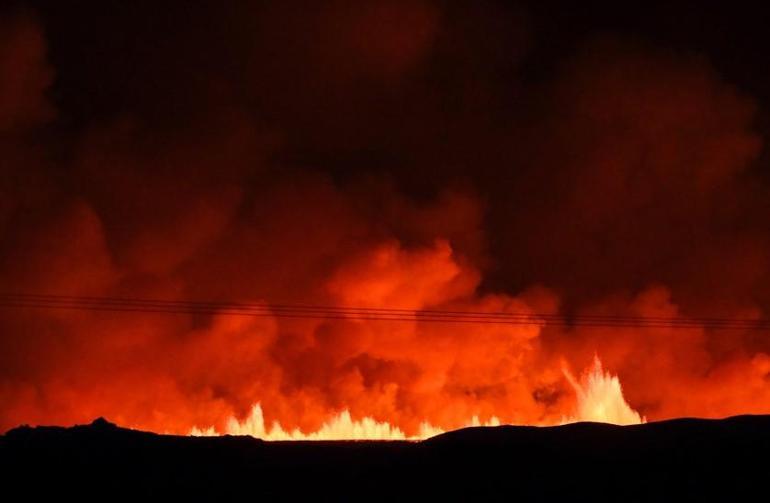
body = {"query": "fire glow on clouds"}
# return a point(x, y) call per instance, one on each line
point(624, 184)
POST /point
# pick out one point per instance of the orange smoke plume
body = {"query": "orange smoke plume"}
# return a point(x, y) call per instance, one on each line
point(384, 156)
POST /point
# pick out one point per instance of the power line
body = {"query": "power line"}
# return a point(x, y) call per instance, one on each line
point(162, 306)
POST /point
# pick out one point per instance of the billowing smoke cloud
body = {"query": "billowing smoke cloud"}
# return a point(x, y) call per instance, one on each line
point(371, 154)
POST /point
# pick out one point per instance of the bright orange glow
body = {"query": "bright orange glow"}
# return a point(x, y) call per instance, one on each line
point(357, 378)
point(339, 427)
point(599, 399)
point(406, 163)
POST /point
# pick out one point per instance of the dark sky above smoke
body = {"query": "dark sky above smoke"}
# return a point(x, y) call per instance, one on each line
point(582, 157)
point(569, 122)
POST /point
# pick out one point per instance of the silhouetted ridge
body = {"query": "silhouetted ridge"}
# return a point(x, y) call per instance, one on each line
point(679, 459)
point(102, 424)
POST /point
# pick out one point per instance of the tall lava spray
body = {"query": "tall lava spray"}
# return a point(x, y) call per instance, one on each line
point(404, 163)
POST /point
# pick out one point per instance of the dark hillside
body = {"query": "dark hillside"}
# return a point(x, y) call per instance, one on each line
point(672, 460)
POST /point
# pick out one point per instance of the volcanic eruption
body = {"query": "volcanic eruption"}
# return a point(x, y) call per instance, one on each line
point(373, 220)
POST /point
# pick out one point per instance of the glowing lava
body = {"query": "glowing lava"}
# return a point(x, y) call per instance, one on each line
point(340, 427)
point(599, 399)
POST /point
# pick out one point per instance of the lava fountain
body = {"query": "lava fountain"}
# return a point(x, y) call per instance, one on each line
point(599, 399)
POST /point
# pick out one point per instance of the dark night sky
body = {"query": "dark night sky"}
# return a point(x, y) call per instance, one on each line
point(451, 99)
point(120, 41)
point(461, 115)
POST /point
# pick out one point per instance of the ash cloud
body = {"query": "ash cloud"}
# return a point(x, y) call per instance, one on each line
point(383, 154)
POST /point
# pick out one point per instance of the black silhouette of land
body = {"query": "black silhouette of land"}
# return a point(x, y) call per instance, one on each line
point(683, 460)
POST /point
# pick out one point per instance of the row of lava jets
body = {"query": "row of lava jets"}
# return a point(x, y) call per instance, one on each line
point(598, 392)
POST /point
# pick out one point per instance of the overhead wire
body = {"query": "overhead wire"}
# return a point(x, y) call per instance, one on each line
point(357, 313)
